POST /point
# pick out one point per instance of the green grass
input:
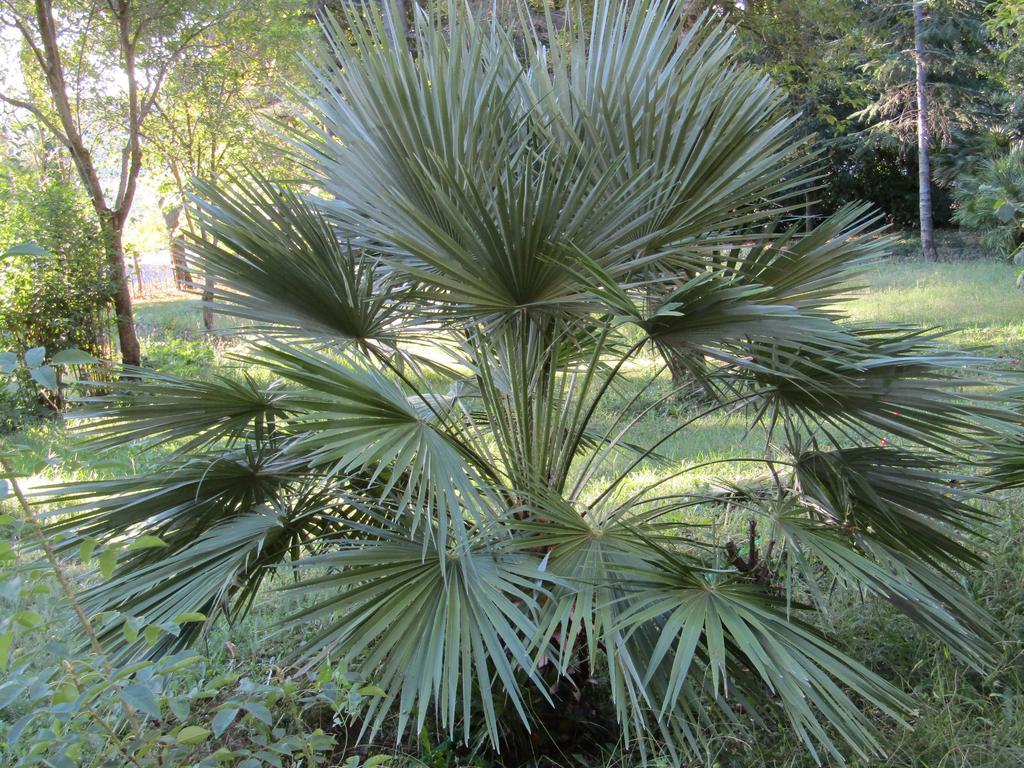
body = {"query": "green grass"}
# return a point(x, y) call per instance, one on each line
point(977, 300)
point(964, 720)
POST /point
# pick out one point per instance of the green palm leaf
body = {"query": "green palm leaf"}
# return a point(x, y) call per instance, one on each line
point(151, 408)
point(434, 637)
point(735, 624)
point(279, 263)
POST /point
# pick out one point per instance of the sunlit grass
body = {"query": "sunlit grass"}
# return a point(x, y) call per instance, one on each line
point(977, 300)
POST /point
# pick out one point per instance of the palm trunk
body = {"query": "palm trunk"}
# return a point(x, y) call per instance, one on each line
point(924, 176)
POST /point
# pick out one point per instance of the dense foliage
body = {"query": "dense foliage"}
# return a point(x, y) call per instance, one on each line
point(500, 228)
point(54, 288)
point(991, 199)
point(848, 70)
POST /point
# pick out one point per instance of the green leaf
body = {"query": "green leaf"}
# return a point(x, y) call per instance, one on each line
point(223, 720)
point(85, 550)
point(260, 712)
point(28, 619)
point(45, 376)
point(192, 735)
point(6, 638)
point(186, 618)
point(8, 362)
point(142, 698)
point(129, 632)
point(34, 357)
point(26, 249)
point(73, 357)
point(179, 706)
point(65, 694)
point(1006, 212)
point(108, 562)
point(145, 542)
point(324, 674)
point(152, 634)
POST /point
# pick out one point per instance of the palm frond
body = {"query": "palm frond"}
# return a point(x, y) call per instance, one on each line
point(176, 503)
point(897, 383)
point(738, 625)
point(150, 408)
point(907, 502)
point(356, 419)
point(278, 263)
point(924, 595)
point(436, 630)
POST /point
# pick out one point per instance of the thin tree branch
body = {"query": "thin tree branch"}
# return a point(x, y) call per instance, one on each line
point(39, 115)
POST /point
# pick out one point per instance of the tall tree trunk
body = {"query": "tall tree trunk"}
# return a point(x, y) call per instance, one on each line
point(138, 272)
point(924, 174)
point(111, 218)
point(113, 247)
point(179, 265)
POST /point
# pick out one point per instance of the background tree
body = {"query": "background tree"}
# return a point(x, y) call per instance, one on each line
point(55, 289)
point(924, 174)
point(959, 90)
point(214, 113)
point(809, 50)
point(93, 71)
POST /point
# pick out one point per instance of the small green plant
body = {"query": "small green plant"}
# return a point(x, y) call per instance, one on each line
point(992, 201)
point(33, 384)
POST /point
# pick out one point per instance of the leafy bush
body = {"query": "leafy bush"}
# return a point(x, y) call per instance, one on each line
point(500, 229)
point(992, 201)
point(882, 173)
point(33, 381)
point(54, 288)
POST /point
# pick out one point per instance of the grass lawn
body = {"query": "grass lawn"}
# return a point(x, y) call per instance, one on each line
point(979, 300)
point(963, 720)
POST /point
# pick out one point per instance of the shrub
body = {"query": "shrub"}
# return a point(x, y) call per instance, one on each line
point(992, 201)
point(54, 290)
point(502, 226)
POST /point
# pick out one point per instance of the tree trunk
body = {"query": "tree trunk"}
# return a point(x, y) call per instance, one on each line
point(138, 271)
point(207, 298)
point(924, 175)
point(111, 221)
point(113, 247)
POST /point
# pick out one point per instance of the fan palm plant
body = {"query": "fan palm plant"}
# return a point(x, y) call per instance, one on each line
point(991, 200)
point(502, 228)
